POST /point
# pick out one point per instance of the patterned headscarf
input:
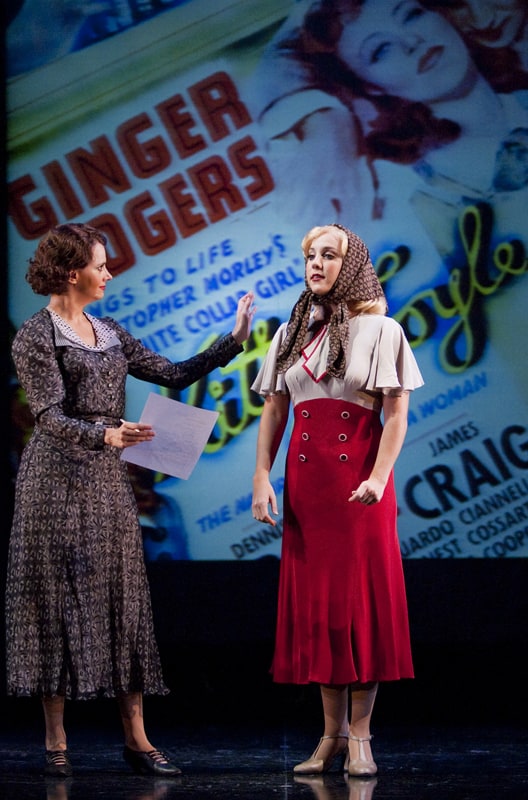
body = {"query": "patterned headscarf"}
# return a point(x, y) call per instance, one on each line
point(357, 281)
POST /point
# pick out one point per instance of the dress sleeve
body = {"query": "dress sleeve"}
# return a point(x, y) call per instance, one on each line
point(268, 380)
point(38, 372)
point(393, 367)
point(146, 365)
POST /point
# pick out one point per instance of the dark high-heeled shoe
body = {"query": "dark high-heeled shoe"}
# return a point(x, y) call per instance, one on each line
point(360, 767)
point(153, 762)
point(58, 764)
point(315, 765)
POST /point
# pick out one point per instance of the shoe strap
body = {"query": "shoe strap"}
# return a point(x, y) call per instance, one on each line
point(158, 756)
point(336, 736)
point(360, 738)
point(57, 757)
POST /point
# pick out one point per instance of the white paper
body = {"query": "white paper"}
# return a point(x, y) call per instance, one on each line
point(181, 432)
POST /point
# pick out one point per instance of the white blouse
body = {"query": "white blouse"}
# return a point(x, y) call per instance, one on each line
point(379, 361)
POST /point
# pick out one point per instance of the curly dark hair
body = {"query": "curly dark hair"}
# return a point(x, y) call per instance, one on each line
point(63, 249)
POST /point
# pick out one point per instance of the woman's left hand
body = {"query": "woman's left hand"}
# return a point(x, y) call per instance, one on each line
point(128, 434)
point(368, 492)
point(245, 313)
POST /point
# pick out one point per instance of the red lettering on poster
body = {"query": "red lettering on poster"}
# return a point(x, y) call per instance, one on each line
point(182, 204)
point(142, 147)
point(98, 169)
point(61, 187)
point(217, 192)
point(179, 123)
point(144, 158)
point(217, 101)
point(31, 219)
point(154, 232)
point(254, 167)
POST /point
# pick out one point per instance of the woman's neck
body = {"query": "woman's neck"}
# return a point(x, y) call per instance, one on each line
point(476, 109)
point(65, 307)
point(73, 314)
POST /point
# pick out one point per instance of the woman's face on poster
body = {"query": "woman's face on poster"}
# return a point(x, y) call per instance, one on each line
point(492, 24)
point(399, 48)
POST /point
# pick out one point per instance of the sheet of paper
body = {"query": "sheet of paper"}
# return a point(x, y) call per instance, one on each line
point(181, 431)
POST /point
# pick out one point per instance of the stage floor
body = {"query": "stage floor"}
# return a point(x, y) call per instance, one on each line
point(254, 762)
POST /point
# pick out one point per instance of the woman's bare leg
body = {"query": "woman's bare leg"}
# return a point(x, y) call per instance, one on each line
point(335, 736)
point(131, 710)
point(57, 760)
point(139, 753)
point(363, 697)
point(335, 712)
point(335, 709)
point(362, 705)
point(53, 708)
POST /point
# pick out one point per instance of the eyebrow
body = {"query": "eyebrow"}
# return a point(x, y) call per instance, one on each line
point(311, 250)
point(393, 13)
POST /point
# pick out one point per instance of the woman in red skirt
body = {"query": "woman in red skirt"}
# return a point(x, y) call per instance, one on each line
point(342, 611)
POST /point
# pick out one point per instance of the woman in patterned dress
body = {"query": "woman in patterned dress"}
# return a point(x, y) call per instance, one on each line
point(342, 613)
point(79, 619)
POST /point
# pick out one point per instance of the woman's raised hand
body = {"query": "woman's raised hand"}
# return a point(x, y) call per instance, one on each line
point(245, 313)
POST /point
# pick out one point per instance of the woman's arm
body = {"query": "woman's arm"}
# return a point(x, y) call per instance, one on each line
point(40, 377)
point(146, 365)
point(395, 411)
point(271, 429)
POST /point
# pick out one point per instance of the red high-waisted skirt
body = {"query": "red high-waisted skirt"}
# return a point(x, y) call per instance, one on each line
point(342, 608)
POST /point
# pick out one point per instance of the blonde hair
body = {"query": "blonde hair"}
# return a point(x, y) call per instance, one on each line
point(318, 231)
point(378, 306)
point(355, 307)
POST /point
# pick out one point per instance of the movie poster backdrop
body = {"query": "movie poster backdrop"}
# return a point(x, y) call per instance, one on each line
point(204, 145)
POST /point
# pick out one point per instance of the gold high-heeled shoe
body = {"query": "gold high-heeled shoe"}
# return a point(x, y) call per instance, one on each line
point(361, 767)
point(315, 765)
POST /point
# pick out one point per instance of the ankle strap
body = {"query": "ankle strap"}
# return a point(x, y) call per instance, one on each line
point(336, 736)
point(360, 738)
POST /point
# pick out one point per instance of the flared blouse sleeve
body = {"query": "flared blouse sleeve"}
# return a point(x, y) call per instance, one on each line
point(379, 361)
point(268, 380)
point(393, 367)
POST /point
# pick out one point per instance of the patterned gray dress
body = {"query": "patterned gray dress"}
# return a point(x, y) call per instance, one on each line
point(78, 610)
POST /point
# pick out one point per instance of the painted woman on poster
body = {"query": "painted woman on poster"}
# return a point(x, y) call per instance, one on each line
point(417, 133)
